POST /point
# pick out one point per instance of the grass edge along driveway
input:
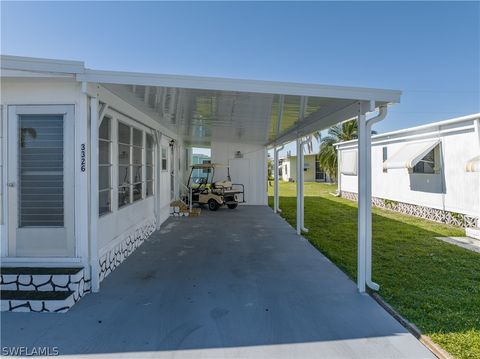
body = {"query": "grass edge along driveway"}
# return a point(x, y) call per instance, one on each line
point(433, 284)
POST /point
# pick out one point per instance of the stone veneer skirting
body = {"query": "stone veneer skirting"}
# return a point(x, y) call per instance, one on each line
point(130, 241)
point(432, 214)
point(78, 283)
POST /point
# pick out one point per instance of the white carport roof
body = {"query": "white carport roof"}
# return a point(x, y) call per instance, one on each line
point(202, 109)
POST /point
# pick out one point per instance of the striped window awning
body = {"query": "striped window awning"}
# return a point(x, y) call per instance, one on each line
point(348, 163)
point(410, 154)
point(473, 165)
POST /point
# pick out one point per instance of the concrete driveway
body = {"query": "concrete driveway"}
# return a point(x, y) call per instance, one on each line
point(230, 284)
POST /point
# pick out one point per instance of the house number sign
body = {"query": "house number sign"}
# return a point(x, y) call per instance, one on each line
point(83, 161)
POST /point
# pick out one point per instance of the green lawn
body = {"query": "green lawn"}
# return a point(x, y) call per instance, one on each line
point(433, 284)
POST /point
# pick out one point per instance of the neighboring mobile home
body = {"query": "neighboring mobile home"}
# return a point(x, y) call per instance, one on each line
point(91, 160)
point(430, 171)
point(313, 172)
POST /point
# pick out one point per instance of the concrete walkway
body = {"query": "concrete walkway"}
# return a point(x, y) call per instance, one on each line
point(230, 284)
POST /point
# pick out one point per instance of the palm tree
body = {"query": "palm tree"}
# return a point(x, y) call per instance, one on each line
point(327, 155)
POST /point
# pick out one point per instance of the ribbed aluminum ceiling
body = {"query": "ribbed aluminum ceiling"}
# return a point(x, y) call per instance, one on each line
point(201, 116)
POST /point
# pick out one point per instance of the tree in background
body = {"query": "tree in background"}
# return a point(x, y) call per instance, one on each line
point(328, 155)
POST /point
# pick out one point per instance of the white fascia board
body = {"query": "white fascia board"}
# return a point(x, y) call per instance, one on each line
point(405, 131)
point(6, 73)
point(41, 65)
point(240, 85)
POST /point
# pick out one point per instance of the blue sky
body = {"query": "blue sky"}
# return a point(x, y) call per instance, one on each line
point(429, 50)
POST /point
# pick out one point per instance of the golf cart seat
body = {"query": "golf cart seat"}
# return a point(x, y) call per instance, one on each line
point(222, 184)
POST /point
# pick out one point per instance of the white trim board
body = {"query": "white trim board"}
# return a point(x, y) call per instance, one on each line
point(197, 82)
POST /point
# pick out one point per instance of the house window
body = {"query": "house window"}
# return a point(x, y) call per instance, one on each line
point(149, 161)
point(124, 164)
point(137, 152)
point(426, 164)
point(164, 159)
point(384, 157)
point(319, 172)
point(104, 167)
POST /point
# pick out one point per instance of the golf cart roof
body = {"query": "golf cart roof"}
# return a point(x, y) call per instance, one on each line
point(208, 165)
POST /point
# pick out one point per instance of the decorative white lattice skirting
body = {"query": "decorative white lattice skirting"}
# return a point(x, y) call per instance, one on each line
point(432, 214)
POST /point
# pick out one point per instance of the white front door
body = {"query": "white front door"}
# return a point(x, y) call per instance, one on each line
point(40, 181)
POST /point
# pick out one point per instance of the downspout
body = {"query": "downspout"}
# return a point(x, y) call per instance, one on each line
point(94, 265)
point(382, 113)
point(276, 199)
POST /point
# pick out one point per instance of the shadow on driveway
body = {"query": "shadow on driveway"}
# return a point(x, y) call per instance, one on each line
point(226, 284)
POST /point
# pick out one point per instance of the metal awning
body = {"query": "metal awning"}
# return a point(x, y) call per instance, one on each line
point(473, 165)
point(348, 163)
point(256, 112)
point(202, 109)
point(410, 154)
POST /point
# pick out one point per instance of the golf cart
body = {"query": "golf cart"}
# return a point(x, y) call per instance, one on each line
point(214, 193)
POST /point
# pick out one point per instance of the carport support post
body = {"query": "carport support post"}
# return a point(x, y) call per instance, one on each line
point(276, 202)
point(158, 176)
point(94, 265)
point(299, 187)
point(362, 202)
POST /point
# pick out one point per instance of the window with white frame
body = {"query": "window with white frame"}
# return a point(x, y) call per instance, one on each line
point(105, 167)
point(426, 164)
point(137, 155)
point(149, 167)
point(164, 158)
point(124, 164)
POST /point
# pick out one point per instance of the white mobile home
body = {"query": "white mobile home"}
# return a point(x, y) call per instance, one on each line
point(430, 171)
point(91, 160)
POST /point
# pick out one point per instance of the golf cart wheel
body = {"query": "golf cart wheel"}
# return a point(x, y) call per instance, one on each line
point(232, 205)
point(212, 205)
